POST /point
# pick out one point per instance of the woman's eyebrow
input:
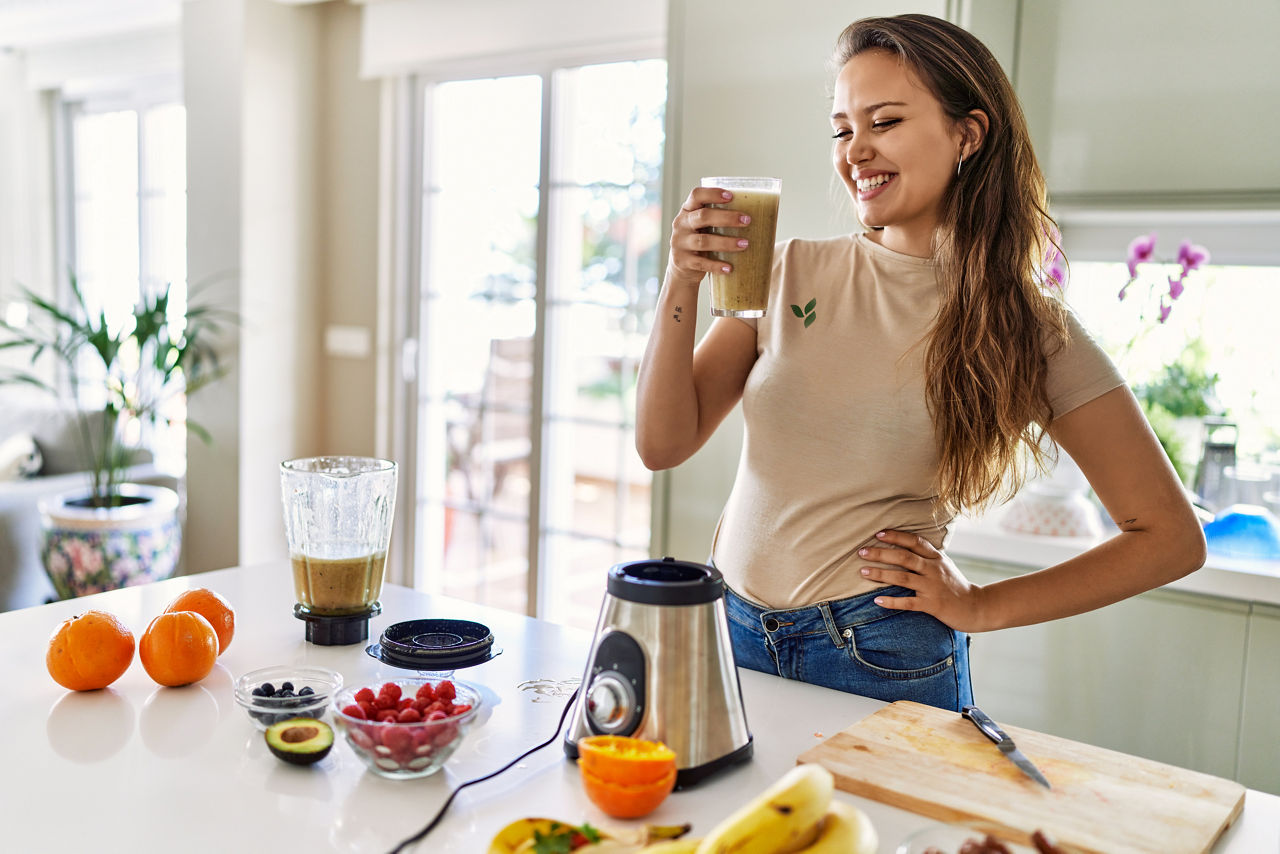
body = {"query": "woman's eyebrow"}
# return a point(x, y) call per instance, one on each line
point(871, 109)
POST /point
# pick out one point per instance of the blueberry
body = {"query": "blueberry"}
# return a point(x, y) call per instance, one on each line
point(287, 686)
point(285, 692)
point(306, 691)
point(258, 692)
point(268, 690)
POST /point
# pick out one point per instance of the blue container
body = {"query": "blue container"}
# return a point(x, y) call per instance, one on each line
point(1244, 531)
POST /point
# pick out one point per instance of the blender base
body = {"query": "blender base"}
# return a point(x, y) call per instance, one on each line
point(339, 630)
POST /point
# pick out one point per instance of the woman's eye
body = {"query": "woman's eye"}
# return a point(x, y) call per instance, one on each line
point(884, 124)
point(842, 134)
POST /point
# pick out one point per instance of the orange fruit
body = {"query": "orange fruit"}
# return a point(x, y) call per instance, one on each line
point(178, 648)
point(213, 608)
point(89, 651)
point(626, 777)
point(621, 800)
point(623, 759)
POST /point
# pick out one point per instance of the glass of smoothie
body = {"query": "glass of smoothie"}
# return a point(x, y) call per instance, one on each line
point(745, 291)
point(337, 517)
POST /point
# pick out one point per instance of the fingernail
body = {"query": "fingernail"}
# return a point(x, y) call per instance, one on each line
point(726, 195)
point(866, 571)
point(744, 219)
point(880, 534)
point(724, 269)
point(862, 552)
point(742, 244)
point(879, 600)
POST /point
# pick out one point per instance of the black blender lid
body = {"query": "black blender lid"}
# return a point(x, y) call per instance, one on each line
point(666, 582)
point(434, 644)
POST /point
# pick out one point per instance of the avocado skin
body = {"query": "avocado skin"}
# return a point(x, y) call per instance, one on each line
point(305, 752)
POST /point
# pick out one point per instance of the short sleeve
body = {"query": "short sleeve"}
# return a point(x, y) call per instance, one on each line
point(1080, 370)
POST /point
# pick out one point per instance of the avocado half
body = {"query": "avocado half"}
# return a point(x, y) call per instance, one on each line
point(300, 741)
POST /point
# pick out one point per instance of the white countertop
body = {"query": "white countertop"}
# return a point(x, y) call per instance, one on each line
point(1232, 578)
point(137, 767)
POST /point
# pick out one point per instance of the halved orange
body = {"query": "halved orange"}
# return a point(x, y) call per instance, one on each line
point(620, 800)
point(626, 760)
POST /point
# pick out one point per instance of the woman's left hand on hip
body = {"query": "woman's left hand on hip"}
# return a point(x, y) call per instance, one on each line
point(940, 589)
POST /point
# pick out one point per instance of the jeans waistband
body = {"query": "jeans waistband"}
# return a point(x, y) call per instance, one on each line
point(778, 623)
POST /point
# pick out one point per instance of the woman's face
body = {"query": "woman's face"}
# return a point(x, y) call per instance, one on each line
point(895, 149)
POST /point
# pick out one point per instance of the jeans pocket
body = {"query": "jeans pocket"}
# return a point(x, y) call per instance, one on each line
point(903, 645)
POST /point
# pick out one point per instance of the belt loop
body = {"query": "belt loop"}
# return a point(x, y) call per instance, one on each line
point(824, 608)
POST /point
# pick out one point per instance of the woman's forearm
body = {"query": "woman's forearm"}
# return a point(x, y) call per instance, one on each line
point(666, 396)
point(1132, 562)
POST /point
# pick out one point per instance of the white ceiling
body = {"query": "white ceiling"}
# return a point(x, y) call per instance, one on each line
point(26, 24)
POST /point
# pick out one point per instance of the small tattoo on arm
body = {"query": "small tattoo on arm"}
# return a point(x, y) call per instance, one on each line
point(679, 311)
point(1129, 521)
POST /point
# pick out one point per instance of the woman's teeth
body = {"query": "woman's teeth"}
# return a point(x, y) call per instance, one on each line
point(874, 181)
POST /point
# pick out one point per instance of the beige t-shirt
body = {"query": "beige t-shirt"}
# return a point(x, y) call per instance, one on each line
point(838, 442)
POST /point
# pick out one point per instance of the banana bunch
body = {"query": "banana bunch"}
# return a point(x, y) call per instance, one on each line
point(795, 815)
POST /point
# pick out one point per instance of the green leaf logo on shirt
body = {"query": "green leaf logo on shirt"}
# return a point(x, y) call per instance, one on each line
point(807, 313)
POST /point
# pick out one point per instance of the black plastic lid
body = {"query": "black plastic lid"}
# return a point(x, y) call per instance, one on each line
point(434, 644)
point(666, 582)
point(328, 630)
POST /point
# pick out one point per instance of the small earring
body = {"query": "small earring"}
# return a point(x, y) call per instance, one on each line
point(958, 165)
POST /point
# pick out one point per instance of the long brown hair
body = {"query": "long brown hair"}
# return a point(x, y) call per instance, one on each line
point(985, 366)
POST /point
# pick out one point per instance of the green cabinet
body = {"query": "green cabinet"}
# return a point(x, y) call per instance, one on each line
point(1158, 676)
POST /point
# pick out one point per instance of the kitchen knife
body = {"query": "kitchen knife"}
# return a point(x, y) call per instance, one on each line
point(989, 728)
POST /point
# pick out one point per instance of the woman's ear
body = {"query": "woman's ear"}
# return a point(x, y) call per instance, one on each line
point(973, 128)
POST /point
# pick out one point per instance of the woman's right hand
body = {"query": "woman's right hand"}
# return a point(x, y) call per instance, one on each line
point(691, 238)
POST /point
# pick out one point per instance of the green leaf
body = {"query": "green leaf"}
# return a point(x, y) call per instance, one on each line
point(808, 321)
point(810, 305)
point(795, 309)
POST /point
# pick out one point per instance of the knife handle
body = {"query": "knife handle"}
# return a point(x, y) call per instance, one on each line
point(985, 725)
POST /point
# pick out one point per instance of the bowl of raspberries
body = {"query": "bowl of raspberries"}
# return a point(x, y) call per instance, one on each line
point(409, 727)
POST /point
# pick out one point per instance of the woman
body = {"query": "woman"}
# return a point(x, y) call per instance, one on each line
point(941, 368)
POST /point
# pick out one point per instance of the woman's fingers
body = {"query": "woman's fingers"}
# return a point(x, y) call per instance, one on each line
point(691, 235)
point(911, 542)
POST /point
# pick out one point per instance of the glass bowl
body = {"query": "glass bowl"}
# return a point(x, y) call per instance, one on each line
point(405, 749)
point(312, 689)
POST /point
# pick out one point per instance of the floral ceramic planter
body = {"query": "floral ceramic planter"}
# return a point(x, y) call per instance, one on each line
point(91, 549)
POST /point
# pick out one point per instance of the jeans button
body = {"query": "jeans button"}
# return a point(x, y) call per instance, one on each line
point(771, 624)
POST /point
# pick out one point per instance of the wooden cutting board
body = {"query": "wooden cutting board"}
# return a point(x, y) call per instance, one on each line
point(936, 763)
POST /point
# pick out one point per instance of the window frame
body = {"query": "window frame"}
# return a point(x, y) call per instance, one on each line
point(407, 109)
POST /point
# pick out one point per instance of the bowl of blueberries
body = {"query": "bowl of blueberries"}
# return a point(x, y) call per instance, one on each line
point(274, 694)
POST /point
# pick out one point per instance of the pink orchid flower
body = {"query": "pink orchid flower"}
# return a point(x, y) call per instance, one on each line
point(1164, 311)
point(1191, 256)
point(1141, 250)
point(1176, 287)
point(1057, 270)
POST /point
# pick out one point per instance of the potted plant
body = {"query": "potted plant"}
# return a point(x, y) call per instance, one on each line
point(124, 380)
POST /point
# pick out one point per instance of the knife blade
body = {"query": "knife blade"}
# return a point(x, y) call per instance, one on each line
point(991, 730)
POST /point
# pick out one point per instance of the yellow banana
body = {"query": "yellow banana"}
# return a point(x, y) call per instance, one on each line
point(845, 829)
point(783, 818)
point(672, 846)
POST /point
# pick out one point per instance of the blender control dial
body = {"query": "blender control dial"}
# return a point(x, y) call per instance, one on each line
point(614, 698)
point(611, 703)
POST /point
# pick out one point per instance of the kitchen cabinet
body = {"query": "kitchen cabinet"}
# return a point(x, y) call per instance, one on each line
point(1152, 103)
point(1259, 758)
point(1158, 675)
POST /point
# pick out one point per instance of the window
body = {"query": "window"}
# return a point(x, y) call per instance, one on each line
point(540, 266)
point(1222, 324)
point(128, 218)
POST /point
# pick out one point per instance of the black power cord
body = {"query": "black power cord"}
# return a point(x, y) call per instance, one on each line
point(421, 834)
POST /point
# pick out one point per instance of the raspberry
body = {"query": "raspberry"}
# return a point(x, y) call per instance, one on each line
point(386, 716)
point(390, 689)
point(405, 702)
point(397, 740)
point(354, 711)
point(409, 716)
point(384, 701)
point(446, 691)
point(364, 695)
point(436, 715)
point(463, 709)
point(421, 705)
point(426, 692)
point(369, 709)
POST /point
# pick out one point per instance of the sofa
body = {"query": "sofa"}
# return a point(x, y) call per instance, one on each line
point(28, 421)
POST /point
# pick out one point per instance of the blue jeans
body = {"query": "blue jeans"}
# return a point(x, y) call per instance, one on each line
point(857, 646)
